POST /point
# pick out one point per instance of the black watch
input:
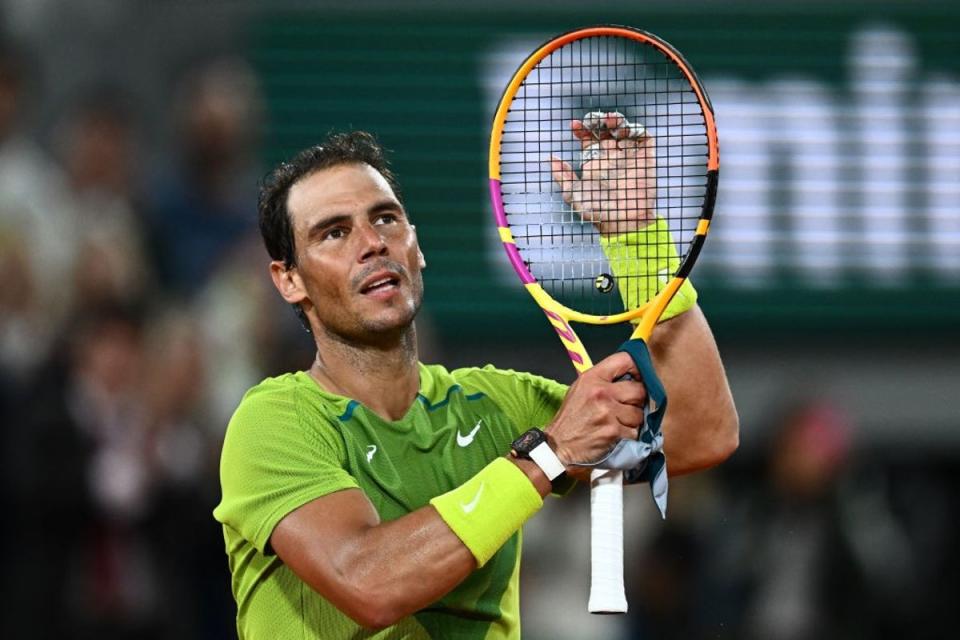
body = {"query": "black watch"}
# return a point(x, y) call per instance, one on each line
point(527, 442)
point(533, 445)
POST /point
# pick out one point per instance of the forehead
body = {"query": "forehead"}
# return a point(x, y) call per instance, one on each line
point(341, 190)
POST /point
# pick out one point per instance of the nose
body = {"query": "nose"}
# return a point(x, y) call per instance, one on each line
point(372, 243)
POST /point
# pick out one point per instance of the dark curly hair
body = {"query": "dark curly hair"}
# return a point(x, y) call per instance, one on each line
point(355, 147)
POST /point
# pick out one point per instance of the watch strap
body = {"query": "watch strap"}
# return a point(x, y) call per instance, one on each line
point(544, 457)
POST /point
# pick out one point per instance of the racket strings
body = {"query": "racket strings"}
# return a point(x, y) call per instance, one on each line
point(642, 195)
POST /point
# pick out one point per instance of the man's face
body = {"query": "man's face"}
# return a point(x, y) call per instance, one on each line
point(358, 262)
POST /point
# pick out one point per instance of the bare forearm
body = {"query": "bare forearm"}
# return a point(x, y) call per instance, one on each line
point(701, 425)
point(413, 561)
point(406, 564)
point(377, 572)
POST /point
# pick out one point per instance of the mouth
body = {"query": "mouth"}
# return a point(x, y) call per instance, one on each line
point(380, 283)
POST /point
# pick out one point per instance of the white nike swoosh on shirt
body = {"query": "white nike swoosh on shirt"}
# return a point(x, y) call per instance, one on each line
point(468, 507)
point(371, 449)
point(464, 441)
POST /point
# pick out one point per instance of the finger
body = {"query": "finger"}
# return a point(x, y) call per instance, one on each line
point(617, 124)
point(627, 433)
point(598, 125)
point(611, 125)
point(625, 129)
point(602, 119)
point(589, 153)
point(629, 416)
point(586, 135)
point(639, 146)
point(563, 175)
point(632, 392)
point(615, 366)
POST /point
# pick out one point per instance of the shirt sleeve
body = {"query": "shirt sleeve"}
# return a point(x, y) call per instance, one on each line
point(273, 462)
point(527, 399)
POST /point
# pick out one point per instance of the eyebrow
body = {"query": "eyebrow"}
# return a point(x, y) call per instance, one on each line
point(319, 226)
point(378, 207)
point(386, 205)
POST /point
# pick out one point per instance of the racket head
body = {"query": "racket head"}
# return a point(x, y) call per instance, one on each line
point(670, 173)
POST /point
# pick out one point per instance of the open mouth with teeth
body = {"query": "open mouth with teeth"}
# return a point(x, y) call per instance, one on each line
point(386, 283)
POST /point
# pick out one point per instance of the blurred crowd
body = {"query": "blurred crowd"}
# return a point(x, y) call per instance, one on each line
point(817, 536)
point(811, 534)
point(135, 310)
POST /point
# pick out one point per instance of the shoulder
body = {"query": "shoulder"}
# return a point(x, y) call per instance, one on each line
point(271, 398)
point(488, 380)
point(286, 408)
point(492, 380)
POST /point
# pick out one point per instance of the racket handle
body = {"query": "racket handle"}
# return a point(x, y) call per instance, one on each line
point(607, 594)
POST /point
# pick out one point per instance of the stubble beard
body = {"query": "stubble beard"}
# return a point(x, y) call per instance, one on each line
point(383, 333)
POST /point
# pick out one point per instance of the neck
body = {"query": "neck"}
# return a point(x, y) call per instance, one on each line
point(384, 377)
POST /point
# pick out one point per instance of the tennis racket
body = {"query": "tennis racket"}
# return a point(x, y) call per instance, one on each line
point(603, 176)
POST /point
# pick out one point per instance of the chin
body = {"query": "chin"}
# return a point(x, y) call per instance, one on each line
point(390, 323)
point(393, 318)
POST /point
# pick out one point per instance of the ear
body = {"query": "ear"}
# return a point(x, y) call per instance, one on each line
point(420, 259)
point(288, 282)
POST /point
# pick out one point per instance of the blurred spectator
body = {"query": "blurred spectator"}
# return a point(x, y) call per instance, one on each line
point(184, 451)
point(665, 582)
point(84, 482)
point(248, 331)
point(800, 584)
point(97, 151)
point(114, 482)
point(207, 202)
point(36, 232)
point(787, 564)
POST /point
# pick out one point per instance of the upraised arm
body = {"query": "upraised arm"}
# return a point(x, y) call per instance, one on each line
point(616, 193)
point(701, 427)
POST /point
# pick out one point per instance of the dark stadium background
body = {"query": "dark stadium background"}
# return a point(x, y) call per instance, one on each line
point(132, 135)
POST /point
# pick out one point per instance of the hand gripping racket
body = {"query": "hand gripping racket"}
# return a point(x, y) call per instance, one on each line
point(603, 176)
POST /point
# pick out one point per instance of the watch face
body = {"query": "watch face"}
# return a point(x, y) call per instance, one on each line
point(528, 441)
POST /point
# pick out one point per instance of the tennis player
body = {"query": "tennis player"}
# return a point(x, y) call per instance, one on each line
point(374, 496)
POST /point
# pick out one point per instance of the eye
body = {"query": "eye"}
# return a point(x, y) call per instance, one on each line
point(386, 218)
point(336, 233)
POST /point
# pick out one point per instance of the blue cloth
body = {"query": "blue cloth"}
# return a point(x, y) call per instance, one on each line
point(643, 460)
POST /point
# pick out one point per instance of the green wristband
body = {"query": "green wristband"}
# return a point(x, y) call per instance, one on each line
point(489, 507)
point(642, 262)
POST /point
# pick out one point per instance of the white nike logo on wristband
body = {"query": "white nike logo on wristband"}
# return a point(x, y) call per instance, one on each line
point(468, 507)
point(466, 440)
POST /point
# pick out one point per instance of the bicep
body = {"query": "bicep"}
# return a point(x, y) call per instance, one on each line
point(374, 572)
point(318, 540)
